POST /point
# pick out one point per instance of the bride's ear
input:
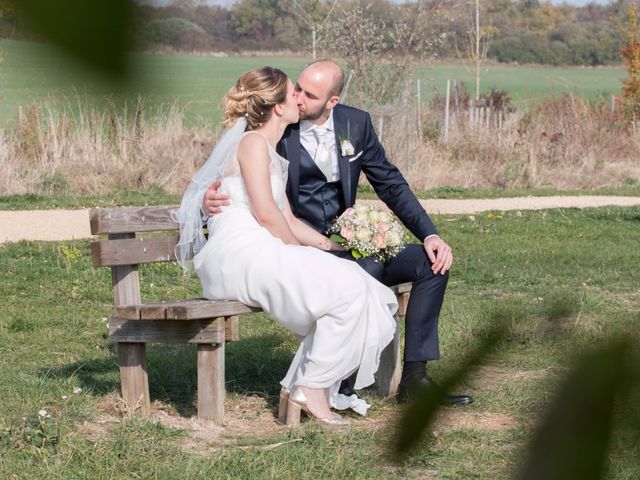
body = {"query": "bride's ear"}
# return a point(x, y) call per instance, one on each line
point(279, 109)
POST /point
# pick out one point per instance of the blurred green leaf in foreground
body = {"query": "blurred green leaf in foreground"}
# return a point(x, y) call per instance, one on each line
point(95, 31)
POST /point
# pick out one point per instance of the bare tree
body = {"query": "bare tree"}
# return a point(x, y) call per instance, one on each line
point(314, 14)
point(477, 46)
point(381, 54)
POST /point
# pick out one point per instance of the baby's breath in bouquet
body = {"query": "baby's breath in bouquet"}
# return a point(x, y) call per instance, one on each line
point(366, 231)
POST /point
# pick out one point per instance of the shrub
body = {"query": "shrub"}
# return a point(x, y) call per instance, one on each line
point(176, 32)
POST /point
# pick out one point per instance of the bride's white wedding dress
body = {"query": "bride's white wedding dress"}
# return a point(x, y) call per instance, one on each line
point(342, 315)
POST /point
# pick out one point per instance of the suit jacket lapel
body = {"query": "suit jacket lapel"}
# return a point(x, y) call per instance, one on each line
point(340, 126)
point(291, 143)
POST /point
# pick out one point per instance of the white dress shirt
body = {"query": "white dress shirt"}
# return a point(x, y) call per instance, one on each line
point(310, 144)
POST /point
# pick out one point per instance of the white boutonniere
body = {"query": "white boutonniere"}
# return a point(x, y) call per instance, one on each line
point(346, 148)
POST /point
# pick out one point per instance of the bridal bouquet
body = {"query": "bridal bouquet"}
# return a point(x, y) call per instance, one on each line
point(366, 231)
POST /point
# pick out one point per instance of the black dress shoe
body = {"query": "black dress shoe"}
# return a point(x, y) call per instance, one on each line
point(346, 388)
point(407, 390)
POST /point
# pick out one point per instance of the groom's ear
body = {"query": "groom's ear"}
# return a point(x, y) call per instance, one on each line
point(332, 102)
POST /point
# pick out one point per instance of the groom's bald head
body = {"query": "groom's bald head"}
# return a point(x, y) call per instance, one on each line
point(328, 71)
point(318, 89)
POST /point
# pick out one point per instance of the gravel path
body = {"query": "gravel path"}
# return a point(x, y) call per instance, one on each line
point(56, 225)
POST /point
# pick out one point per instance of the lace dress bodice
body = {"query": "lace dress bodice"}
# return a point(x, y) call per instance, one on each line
point(232, 183)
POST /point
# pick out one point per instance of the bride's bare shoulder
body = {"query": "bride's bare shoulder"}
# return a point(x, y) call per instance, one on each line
point(252, 145)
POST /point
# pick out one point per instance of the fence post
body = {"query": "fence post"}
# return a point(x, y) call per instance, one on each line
point(345, 90)
point(419, 108)
point(446, 110)
point(456, 102)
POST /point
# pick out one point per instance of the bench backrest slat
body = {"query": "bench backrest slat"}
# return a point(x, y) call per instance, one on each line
point(132, 219)
point(133, 251)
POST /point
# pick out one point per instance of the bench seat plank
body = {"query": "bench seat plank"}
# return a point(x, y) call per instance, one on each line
point(183, 310)
point(401, 288)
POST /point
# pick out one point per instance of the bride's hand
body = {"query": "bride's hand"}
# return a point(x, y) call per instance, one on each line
point(335, 246)
point(326, 244)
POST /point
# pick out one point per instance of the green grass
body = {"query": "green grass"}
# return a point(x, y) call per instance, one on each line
point(116, 199)
point(531, 85)
point(564, 280)
point(33, 72)
point(632, 189)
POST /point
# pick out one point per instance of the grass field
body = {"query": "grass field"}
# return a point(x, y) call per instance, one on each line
point(31, 72)
point(564, 279)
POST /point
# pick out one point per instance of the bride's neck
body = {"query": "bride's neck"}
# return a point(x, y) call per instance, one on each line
point(272, 131)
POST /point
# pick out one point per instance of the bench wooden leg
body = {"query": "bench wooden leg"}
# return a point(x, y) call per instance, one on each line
point(211, 382)
point(403, 301)
point(231, 329)
point(133, 376)
point(389, 371)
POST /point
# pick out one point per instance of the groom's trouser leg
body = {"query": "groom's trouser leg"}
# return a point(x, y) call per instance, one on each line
point(425, 301)
point(421, 320)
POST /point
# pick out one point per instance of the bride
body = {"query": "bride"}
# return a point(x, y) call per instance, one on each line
point(259, 253)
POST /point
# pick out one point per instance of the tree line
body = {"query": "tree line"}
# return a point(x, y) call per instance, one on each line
point(522, 31)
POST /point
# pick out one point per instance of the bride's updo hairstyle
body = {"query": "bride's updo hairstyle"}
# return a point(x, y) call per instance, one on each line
point(254, 95)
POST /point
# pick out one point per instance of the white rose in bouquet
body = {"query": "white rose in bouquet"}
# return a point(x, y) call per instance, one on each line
point(361, 208)
point(360, 218)
point(393, 238)
point(363, 234)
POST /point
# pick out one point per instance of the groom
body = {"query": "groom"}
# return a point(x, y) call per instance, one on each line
point(326, 151)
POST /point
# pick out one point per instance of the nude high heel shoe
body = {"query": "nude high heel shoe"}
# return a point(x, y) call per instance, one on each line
point(282, 405)
point(297, 403)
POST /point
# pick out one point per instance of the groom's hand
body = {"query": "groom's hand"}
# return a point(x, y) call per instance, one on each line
point(439, 253)
point(214, 201)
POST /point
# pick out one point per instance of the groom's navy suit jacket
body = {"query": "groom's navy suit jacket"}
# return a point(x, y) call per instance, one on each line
point(317, 202)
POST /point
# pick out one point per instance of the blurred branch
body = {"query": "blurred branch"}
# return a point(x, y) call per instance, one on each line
point(426, 403)
point(573, 440)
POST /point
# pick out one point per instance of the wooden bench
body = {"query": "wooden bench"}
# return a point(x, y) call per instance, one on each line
point(207, 323)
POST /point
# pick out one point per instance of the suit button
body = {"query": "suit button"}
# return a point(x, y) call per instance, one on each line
point(326, 203)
